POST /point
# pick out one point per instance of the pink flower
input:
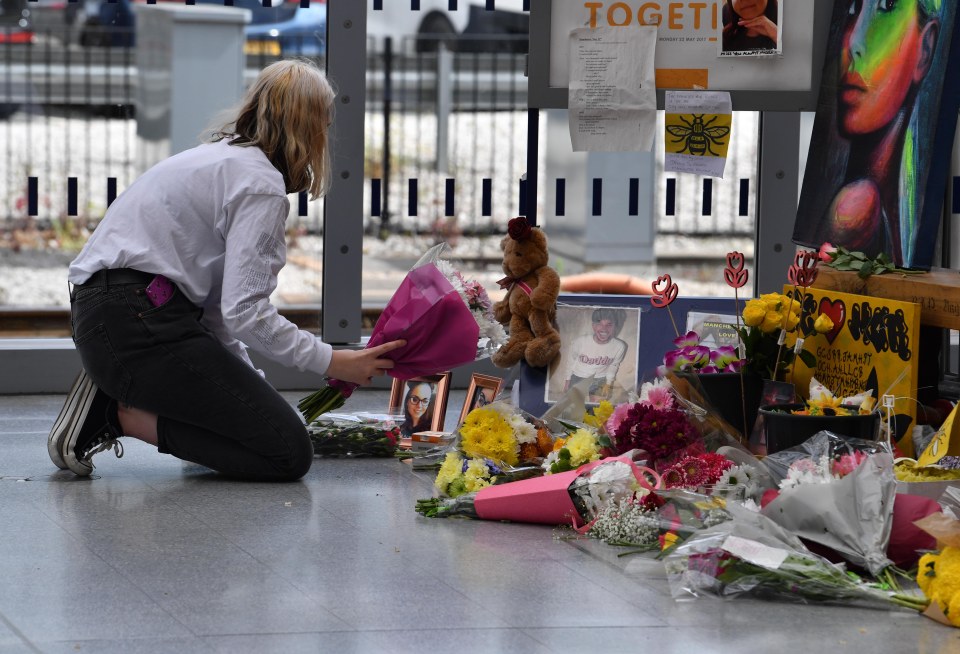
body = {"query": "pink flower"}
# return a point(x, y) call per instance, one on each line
point(620, 413)
point(827, 250)
point(847, 463)
point(659, 397)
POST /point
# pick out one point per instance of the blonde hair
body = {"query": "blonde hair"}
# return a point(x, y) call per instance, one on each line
point(286, 113)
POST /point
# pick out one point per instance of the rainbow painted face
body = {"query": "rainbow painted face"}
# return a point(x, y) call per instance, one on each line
point(886, 51)
point(748, 9)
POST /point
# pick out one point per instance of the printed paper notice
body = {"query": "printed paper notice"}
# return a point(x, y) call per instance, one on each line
point(697, 125)
point(756, 553)
point(613, 98)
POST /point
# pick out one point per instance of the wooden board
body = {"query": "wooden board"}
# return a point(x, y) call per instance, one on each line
point(937, 292)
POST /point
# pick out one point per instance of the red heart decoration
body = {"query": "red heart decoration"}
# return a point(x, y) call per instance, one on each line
point(837, 312)
point(663, 297)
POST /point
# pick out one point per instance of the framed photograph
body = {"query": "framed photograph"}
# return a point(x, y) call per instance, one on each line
point(599, 351)
point(483, 390)
point(422, 401)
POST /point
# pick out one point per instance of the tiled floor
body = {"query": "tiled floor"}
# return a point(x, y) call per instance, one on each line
point(153, 555)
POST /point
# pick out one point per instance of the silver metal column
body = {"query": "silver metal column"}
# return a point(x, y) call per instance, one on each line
point(778, 180)
point(343, 210)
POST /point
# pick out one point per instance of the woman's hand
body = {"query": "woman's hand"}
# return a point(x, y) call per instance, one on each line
point(761, 25)
point(361, 366)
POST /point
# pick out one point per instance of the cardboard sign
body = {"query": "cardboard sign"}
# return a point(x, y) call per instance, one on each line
point(872, 346)
point(944, 443)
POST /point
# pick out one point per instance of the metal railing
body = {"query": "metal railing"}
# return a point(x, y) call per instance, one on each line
point(446, 142)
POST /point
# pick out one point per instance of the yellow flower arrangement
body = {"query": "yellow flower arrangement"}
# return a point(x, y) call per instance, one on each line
point(485, 432)
point(938, 575)
point(601, 413)
point(458, 476)
point(765, 319)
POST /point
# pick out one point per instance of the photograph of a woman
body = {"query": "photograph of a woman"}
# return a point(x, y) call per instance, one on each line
point(750, 27)
point(874, 132)
point(422, 402)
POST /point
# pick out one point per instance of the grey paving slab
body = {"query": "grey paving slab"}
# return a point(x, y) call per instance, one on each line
point(155, 555)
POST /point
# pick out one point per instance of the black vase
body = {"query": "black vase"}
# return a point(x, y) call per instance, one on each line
point(737, 404)
point(784, 429)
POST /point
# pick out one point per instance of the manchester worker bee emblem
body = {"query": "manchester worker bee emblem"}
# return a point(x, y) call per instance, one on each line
point(698, 135)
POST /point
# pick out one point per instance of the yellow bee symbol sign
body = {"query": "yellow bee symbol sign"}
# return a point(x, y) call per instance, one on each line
point(946, 442)
point(698, 134)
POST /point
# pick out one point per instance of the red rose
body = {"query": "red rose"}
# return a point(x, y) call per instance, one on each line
point(519, 229)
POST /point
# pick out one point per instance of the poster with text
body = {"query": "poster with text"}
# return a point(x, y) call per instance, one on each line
point(872, 347)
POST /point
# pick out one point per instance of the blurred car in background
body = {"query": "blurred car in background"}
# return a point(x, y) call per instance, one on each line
point(16, 25)
point(284, 29)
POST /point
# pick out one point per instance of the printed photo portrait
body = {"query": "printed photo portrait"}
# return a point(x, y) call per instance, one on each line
point(482, 391)
point(751, 28)
point(421, 401)
point(599, 353)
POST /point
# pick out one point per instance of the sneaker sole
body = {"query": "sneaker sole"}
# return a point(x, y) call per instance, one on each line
point(78, 395)
point(68, 443)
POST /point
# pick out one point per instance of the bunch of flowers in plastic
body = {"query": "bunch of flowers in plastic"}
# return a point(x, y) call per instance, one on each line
point(492, 333)
point(499, 432)
point(739, 480)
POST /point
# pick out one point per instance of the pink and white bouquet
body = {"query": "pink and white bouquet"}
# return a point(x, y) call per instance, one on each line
point(445, 319)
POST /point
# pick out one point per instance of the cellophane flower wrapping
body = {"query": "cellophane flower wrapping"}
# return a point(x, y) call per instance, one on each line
point(445, 319)
point(355, 435)
point(573, 497)
point(749, 555)
point(514, 441)
point(843, 503)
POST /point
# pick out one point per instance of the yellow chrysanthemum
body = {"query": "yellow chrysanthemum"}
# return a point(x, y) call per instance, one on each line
point(486, 433)
point(476, 476)
point(449, 471)
point(583, 447)
point(600, 415)
point(754, 313)
point(823, 324)
point(771, 322)
point(927, 572)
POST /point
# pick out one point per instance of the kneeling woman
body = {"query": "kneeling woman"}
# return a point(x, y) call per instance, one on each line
point(175, 283)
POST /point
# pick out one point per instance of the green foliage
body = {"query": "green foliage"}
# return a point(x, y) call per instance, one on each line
point(864, 266)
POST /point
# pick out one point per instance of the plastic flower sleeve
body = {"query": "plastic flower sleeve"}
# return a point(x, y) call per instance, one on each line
point(751, 556)
point(355, 435)
point(823, 444)
point(851, 515)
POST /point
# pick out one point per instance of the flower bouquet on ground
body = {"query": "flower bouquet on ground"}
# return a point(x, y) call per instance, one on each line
point(574, 497)
point(749, 555)
point(510, 439)
point(446, 320)
point(938, 573)
point(355, 435)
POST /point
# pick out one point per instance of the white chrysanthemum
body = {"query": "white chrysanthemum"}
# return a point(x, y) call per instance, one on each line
point(739, 481)
point(808, 471)
point(523, 430)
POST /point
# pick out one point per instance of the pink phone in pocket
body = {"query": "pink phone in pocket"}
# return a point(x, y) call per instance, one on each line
point(159, 291)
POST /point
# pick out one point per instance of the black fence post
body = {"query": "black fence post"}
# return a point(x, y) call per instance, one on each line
point(387, 97)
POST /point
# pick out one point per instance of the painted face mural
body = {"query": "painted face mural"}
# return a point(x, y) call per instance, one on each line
point(880, 62)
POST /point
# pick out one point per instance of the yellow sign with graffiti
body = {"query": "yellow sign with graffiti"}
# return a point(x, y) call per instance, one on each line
point(704, 135)
point(945, 442)
point(872, 347)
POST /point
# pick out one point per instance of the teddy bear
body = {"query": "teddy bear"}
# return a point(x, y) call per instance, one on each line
point(529, 308)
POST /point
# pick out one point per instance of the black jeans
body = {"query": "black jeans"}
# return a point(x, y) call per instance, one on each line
point(213, 408)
